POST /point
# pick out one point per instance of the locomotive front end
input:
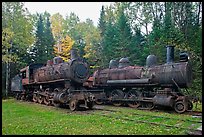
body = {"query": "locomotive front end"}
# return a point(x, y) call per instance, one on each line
point(76, 70)
point(172, 74)
point(79, 68)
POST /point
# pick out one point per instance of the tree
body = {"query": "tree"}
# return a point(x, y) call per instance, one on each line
point(70, 23)
point(102, 28)
point(49, 40)
point(39, 49)
point(16, 21)
point(57, 26)
point(124, 34)
point(63, 49)
point(91, 50)
point(17, 37)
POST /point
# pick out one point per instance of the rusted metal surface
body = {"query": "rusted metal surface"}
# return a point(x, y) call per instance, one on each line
point(180, 72)
point(130, 72)
point(164, 100)
point(113, 64)
point(164, 75)
point(124, 62)
point(151, 60)
point(167, 75)
point(76, 70)
point(129, 81)
point(88, 83)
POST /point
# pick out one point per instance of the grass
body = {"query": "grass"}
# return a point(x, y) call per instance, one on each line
point(23, 118)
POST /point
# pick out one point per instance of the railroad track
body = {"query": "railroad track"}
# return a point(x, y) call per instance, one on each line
point(113, 114)
point(134, 113)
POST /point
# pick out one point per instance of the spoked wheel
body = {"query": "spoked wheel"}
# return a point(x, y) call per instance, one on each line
point(98, 102)
point(73, 105)
point(149, 105)
point(90, 105)
point(190, 105)
point(27, 97)
point(23, 97)
point(180, 107)
point(40, 99)
point(46, 100)
point(133, 104)
point(47, 97)
point(117, 94)
point(17, 96)
point(35, 98)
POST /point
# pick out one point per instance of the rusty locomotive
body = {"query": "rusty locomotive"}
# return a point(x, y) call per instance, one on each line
point(145, 86)
point(56, 83)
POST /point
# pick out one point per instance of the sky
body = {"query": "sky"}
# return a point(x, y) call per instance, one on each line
point(83, 10)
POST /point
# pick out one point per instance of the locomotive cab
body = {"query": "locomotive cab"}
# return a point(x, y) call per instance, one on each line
point(27, 73)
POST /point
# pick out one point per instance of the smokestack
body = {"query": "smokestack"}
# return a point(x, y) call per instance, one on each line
point(74, 54)
point(169, 54)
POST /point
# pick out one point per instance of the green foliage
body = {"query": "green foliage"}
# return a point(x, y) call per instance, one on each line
point(49, 39)
point(42, 50)
point(17, 31)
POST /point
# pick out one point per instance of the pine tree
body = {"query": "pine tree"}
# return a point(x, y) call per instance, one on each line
point(124, 34)
point(49, 39)
point(102, 22)
point(39, 46)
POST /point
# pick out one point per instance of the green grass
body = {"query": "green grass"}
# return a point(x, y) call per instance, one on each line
point(22, 118)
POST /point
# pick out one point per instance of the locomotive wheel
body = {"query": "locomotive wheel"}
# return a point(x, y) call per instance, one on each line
point(27, 97)
point(98, 102)
point(35, 98)
point(56, 104)
point(190, 105)
point(23, 97)
point(46, 100)
point(133, 104)
point(17, 96)
point(149, 105)
point(90, 105)
point(73, 105)
point(117, 94)
point(180, 107)
point(47, 97)
point(40, 99)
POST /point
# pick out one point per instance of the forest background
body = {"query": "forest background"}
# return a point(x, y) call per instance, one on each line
point(35, 38)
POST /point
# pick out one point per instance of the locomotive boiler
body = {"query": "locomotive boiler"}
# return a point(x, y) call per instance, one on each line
point(147, 86)
point(57, 83)
point(76, 70)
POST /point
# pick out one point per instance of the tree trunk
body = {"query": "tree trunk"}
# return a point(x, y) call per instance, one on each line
point(7, 78)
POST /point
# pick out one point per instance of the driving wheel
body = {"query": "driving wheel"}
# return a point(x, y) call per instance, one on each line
point(116, 95)
point(180, 107)
point(133, 104)
point(73, 105)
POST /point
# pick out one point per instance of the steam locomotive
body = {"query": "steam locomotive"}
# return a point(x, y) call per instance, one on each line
point(68, 83)
point(57, 83)
point(145, 86)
